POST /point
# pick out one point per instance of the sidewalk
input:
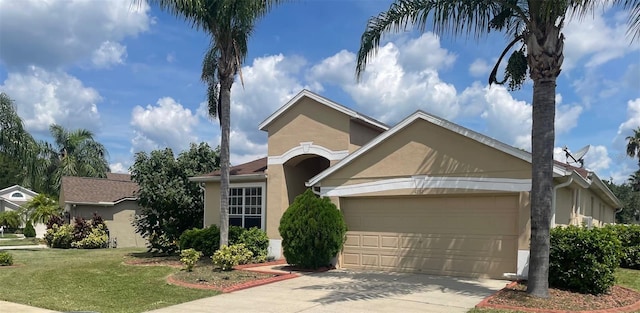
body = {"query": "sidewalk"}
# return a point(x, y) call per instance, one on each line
point(23, 247)
point(21, 308)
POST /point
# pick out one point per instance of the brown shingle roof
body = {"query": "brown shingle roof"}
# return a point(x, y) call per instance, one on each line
point(94, 190)
point(254, 167)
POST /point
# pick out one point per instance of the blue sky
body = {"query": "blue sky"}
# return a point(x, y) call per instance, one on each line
point(130, 73)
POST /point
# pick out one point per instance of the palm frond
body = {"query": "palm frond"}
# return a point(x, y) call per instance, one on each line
point(447, 16)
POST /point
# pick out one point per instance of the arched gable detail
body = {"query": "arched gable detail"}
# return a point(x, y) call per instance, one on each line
point(308, 148)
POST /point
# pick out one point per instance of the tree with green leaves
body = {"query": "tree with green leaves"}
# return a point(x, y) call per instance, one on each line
point(40, 209)
point(536, 41)
point(170, 203)
point(73, 153)
point(633, 144)
point(10, 219)
point(230, 23)
point(630, 199)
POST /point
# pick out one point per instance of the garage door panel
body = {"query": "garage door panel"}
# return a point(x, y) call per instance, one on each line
point(465, 236)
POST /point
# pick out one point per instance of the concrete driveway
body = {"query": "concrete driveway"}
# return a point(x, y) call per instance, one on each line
point(351, 291)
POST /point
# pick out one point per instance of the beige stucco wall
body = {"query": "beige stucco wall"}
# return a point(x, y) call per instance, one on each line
point(118, 219)
point(564, 206)
point(307, 121)
point(212, 204)
point(423, 148)
point(360, 134)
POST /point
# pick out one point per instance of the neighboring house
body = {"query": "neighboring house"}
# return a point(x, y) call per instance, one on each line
point(425, 195)
point(12, 198)
point(113, 198)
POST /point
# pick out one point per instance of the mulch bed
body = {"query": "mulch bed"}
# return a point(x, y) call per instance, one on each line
point(173, 261)
point(514, 297)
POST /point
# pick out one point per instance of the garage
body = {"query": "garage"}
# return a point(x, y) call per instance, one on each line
point(459, 235)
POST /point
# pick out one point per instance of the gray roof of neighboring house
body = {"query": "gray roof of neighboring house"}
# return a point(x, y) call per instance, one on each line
point(113, 189)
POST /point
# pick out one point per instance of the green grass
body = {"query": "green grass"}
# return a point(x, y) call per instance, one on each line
point(624, 277)
point(19, 242)
point(9, 236)
point(90, 280)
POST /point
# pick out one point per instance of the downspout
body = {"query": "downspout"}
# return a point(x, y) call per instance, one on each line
point(204, 204)
point(553, 199)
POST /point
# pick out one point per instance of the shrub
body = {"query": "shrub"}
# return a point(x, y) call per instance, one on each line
point(206, 240)
point(59, 236)
point(29, 231)
point(234, 234)
point(229, 256)
point(6, 259)
point(81, 229)
point(189, 257)
point(313, 231)
point(97, 220)
point(257, 242)
point(54, 220)
point(97, 238)
point(629, 236)
point(583, 260)
point(162, 243)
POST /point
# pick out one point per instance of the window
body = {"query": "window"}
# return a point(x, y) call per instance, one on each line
point(246, 206)
point(17, 195)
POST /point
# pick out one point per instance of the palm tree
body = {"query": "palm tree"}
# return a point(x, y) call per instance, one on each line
point(73, 153)
point(10, 219)
point(230, 23)
point(40, 209)
point(633, 144)
point(536, 26)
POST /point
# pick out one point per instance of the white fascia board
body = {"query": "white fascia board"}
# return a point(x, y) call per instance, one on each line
point(232, 178)
point(325, 101)
point(429, 182)
point(523, 155)
point(603, 187)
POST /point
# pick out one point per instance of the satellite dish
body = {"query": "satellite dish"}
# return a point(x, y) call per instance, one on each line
point(576, 157)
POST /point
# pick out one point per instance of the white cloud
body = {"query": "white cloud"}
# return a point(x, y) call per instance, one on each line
point(596, 39)
point(119, 167)
point(60, 32)
point(507, 119)
point(597, 159)
point(44, 98)
point(479, 68)
point(633, 120)
point(167, 124)
point(425, 52)
point(335, 69)
point(109, 53)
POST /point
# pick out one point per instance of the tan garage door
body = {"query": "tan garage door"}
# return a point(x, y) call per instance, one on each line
point(459, 236)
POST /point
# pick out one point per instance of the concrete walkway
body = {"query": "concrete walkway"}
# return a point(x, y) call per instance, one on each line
point(23, 247)
point(351, 291)
point(20, 308)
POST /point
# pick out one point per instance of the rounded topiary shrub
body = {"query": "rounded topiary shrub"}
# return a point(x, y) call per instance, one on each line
point(29, 231)
point(206, 240)
point(313, 231)
point(583, 260)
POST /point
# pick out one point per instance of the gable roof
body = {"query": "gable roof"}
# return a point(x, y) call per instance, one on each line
point(340, 108)
point(250, 170)
point(421, 115)
point(103, 191)
point(559, 169)
point(19, 188)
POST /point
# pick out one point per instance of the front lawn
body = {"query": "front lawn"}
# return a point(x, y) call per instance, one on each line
point(6, 235)
point(624, 277)
point(90, 280)
point(19, 242)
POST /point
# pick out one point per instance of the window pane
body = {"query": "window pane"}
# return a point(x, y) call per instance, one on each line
point(252, 222)
point(235, 221)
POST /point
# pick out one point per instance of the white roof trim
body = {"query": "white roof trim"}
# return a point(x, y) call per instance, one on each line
point(308, 148)
point(523, 155)
point(19, 188)
point(595, 180)
point(325, 101)
point(232, 178)
point(427, 182)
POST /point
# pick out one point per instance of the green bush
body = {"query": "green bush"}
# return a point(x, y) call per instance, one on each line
point(229, 256)
point(6, 259)
point(189, 257)
point(206, 240)
point(234, 234)
point(583, 260)
point(629, 236)
point(313, 231)
point(29, 231)
point(257, 242)
point(59, 236)
point(97, 238)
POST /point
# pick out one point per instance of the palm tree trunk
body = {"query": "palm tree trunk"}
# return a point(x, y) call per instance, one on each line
point(544, 45)
point(225, 126)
